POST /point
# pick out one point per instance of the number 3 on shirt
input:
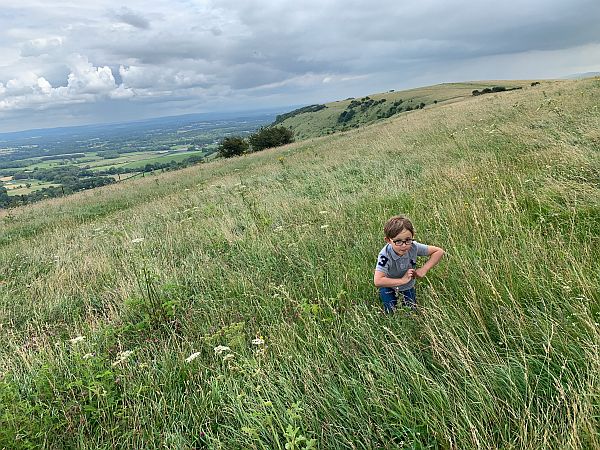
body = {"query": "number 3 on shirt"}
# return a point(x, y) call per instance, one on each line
point(383, 261)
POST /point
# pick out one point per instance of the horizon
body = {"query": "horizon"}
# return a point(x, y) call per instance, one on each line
point(67, 64)
point(221, 115)
point(239, 113)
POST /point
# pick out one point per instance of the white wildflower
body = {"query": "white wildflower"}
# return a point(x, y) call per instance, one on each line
point(322, 212)
point(324, 226)
point(228, 356)
point(221, 348)
point(258, 341)
point(192, 357)
point(77, 339)
point(88, 356)
point(122, 356)
point(137, 240)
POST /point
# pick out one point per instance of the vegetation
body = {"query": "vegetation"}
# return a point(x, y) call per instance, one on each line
point(233, 146)
point(306, 109)
point(34, 167)
point(353, 113)
point(231, 305)
point(269, 137)
point(496, 89)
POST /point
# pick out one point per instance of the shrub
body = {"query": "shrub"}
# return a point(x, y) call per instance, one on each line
point(346, 116)
point(233, 146)
point(306, 109)
point(268, 137)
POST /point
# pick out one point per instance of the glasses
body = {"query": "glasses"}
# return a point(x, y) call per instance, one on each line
point(405, 241)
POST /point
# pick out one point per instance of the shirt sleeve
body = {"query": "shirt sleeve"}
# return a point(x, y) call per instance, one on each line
point(422, 249)
point(383, 263)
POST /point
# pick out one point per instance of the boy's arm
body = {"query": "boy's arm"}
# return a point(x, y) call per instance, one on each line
point(435, 254)
point(380, 279)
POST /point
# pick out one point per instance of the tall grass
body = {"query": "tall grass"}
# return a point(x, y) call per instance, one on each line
point(279, 247)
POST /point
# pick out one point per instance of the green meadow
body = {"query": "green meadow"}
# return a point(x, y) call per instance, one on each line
point(375, 107)
point(230, 305)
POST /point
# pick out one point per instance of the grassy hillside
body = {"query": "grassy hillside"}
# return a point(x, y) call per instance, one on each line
point(321, 120)
point(116, 304)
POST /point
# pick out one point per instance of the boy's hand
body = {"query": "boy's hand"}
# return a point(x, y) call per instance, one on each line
point(420, 273)
point(409, 275)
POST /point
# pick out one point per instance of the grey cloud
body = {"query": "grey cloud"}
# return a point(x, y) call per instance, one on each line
point(129, 17)
point(220, 53)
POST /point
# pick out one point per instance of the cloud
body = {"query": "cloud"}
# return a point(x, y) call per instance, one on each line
point(85, 83)
point(126, 15)
point(41, 46)
point(223, 53)
point(148, 77)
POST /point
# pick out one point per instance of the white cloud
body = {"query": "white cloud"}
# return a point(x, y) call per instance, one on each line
point(87, 79)
point(147, 77)
point(41, 46)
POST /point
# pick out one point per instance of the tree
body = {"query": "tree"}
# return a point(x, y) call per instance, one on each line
point(271, 137)
point(233, 146)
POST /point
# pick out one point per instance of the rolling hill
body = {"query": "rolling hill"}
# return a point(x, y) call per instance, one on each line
point(231, 305)
point(321, 120)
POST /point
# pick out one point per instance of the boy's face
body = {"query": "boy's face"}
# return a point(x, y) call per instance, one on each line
point(402, 242)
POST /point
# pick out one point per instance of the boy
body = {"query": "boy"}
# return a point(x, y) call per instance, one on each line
point(396, 270)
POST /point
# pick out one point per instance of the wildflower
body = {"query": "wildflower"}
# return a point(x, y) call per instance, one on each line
point(192, 357)
point(88, 356)
point(322, 212)
point(258, 341)
point(221, 348)
point(186, 190)
point(77, 339)
point(137, 240)
point(228, 356)
point(122, 356)
point(324, 226)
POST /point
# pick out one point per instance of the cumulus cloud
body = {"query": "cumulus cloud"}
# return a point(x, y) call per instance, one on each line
point(85, 83)
point(87, 79)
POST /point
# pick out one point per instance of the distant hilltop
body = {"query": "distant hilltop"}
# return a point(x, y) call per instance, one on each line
point(319, 120)
point(581, 76)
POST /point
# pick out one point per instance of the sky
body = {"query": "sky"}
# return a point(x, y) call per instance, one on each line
point(73, 62)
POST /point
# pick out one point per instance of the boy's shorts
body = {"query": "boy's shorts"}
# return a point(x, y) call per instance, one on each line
point(389, 297)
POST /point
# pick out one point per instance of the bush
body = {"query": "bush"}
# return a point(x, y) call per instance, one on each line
point(346, 116)
point(233, 146)
point(271, 137)
point(307, 109)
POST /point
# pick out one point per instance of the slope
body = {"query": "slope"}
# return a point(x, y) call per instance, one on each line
point(231, 305)
point(321, 120)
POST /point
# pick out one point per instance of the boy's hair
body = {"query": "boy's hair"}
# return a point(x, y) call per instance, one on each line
point(395, 225)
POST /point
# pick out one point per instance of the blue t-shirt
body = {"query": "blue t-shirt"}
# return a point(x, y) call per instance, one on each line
point(394, 265)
